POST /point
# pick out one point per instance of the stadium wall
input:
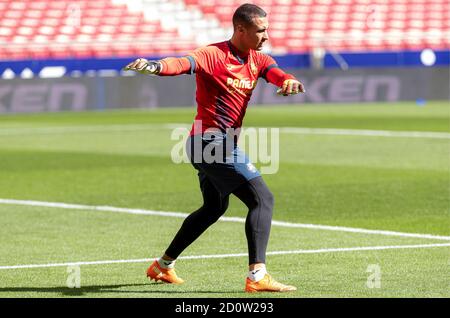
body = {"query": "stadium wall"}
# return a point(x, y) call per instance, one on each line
point(139, 91)
point(397, 59)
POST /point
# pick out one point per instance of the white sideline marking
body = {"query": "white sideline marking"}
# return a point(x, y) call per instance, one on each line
point(143, 260)
point(80, 129)
point(10, 131)
point(224, 218)
point(363, 132)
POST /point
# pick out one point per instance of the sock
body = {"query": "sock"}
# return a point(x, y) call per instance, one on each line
point(165, 263)
point(257, 274)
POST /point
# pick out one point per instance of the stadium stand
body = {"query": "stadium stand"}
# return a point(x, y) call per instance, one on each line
point(117, 28)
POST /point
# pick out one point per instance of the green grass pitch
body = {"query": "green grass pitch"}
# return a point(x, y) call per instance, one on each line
point(122, 159)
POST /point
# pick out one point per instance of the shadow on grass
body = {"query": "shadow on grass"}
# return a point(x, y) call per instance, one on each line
point(86, 290)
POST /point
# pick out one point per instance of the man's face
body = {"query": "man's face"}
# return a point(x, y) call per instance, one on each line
point(256, 34)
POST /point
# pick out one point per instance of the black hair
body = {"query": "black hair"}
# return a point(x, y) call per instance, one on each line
point(245, 13)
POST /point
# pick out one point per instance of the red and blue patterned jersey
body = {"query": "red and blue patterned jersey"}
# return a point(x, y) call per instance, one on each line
point(225, 82)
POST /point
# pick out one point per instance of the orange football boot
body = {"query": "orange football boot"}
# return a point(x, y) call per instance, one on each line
point(267, 284)
point(166, 275)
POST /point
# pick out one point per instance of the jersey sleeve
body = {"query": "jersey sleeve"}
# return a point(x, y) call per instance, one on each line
point(171, 66)
point(270, 71)
point(203, 60)
point(266, 63)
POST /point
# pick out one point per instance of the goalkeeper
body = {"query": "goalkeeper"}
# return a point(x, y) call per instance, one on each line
point(226, 74)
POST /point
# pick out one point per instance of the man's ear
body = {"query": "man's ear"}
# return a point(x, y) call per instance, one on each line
point(240, 28)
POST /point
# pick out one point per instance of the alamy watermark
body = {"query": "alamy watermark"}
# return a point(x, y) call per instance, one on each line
point(374, 17)
point(374, 279)
point(262, 146)
point(73, 15)
point(74, 276)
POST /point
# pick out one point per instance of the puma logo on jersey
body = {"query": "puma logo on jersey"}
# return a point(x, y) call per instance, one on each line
point(232, 67)
point(241, 83)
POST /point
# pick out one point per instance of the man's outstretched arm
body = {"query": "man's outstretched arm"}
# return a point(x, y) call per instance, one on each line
point(169, 66)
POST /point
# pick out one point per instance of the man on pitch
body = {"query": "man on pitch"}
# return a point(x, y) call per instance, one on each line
point(226, 74)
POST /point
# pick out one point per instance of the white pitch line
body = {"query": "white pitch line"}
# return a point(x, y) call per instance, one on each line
point(223, 219)
point(13, 131)
point(144, 260)
point(363, 132)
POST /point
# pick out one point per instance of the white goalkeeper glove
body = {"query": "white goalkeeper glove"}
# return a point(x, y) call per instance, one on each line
point(291, 87)
point(144, 66)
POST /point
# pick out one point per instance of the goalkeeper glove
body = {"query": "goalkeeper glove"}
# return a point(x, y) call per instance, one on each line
point(291, 87)
point(144, 66)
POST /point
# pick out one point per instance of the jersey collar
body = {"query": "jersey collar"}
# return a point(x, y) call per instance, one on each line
point(234, 51)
